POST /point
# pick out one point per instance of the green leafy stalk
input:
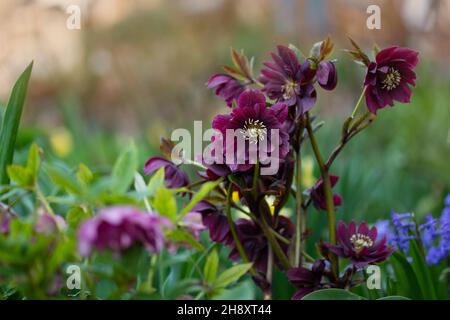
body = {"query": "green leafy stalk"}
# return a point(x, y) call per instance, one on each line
point(236, 240)
point(358, 104)
point(331, 215)
point(298, 199)
point(11, 120)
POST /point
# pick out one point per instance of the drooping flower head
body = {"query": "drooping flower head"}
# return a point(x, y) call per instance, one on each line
point(215, 221)
point(317, 194)
point(174, 177)
point(361, 245)
point(119, 228)
point(286, 79)
point(389, 77)
point(255, 243)
point(226, 87)
point(254, 124)
point(307, 281)
point(327, 75)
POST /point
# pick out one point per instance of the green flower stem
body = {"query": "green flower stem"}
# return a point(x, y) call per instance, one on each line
point(43, 200)
point(255, 180)
point(280, 237)
point(269, 275)
point(358, 104)
point(274, 244)
point(331, 216)
point(356, 128)
point(308, 257)
point(236, 240)
point(300, 221)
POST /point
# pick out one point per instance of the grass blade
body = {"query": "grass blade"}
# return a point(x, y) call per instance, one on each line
point(11, 120)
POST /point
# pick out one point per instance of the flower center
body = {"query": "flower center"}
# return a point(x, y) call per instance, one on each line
point(254, 130)
point(361, 241)
point(289, 89)
point(392, 80)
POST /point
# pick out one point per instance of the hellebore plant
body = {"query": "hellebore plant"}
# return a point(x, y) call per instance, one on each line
point(281, 100)
point(126, 240)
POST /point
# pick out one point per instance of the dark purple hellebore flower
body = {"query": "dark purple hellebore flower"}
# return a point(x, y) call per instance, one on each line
point(214, 219)
point(253, 122)
point(327, 75)
point(318, 195)
point(174, 177)
point(120, 228)
point(227, 87)
point(362, 246)
point(255, 243)
point(286, 80)
point(389, 76)
point(307, 281)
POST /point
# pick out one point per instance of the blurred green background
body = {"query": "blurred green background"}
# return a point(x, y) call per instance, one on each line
point(137, 69)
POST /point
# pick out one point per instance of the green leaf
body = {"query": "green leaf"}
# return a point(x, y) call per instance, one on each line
point(394, 298)
point(34, 161)
point(165, 203)
point(199, 196)
point(422, 272)
point(332, 294)
point(180, 235)
point(156, 181)
point(407, 284)
point(84, 174)
point(21, 175)
point(142, 189)
point(63, 180)
point(139, 183)
point(211, 267)
point(11, 120)
point(230, 275)
point(75, 216)
point(124, 169)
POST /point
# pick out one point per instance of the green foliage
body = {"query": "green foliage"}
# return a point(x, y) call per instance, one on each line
point(11, 120)
point(124, 169)
point(340, 294)
point(211, 267)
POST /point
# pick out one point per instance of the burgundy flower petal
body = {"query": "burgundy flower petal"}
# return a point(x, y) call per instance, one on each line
point(327, 75)
point(250, 98)
point(388, 77)
point(360, 244)
point(174, 177)
point(226, 87)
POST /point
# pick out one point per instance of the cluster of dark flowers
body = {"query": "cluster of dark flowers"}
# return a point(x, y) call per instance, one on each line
point(280, 98)
point(434, 233)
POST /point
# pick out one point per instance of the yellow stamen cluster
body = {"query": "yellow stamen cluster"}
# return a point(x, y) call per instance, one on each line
point(361, 241)
point(254, 131)
point(289, 89)
point(392, 80)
